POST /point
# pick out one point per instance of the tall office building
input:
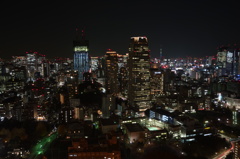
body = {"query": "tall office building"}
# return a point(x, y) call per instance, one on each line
point(139, 74)
point(111, 72)
point(31, 64)
point(94, 63)
point(156, 84)
point(123, 74)
point(72, 83)
point(81, 57)
point(122, 61)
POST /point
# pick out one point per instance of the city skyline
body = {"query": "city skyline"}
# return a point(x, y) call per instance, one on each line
point(180, 28)
point(120, 106)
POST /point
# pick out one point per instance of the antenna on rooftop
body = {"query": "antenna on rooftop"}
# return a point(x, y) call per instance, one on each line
point(160, 53)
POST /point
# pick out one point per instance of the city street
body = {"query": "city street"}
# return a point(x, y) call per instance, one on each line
point(224, 153)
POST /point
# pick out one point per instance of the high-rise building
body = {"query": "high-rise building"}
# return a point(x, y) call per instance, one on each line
point(157, 84)
point(111, 72)
point(66, 115)
point(122, 61)
point(228, 61)
point(81, 57)
point(139, 74)
point(94, 63)
point(101, 71)
point(31, 62)
point(35, 64)
point(236, 148)
point(72, 83)
point(123, 74)
point(19, 60)
point(123, 81)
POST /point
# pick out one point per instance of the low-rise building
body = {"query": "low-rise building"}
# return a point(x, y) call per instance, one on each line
point(135, 132)
point(82, 149)
point(108, 125)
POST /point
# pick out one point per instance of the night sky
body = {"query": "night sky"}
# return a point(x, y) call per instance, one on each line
point(182, 28)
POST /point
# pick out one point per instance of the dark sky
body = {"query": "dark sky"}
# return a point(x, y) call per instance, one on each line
point(182, 28)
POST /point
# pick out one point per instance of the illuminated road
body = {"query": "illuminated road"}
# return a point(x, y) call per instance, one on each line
point(223, 154)
point(42, 146)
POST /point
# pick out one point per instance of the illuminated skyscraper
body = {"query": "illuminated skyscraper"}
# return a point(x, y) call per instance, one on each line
point(111, 72)
point(123, 74)
point(31, 63)
point(139, 74)
point(72, 83)
point(94, 63)
point(34, 62)
point(81, 57)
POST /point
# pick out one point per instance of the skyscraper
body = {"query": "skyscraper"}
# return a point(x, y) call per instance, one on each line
point(111, 72)
point(123, 74)
point(139, 74)
point(81, 57)
point(31, 63)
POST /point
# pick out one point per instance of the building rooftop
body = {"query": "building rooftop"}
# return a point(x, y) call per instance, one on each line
point(153, 128)
point(134, 127)
point(106, 122)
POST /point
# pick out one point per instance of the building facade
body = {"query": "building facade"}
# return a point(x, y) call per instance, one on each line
point(81, 57)
point(139, 74)
point(111, 72)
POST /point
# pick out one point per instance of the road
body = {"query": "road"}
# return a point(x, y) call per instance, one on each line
point(224, 153)
point(42, 146)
